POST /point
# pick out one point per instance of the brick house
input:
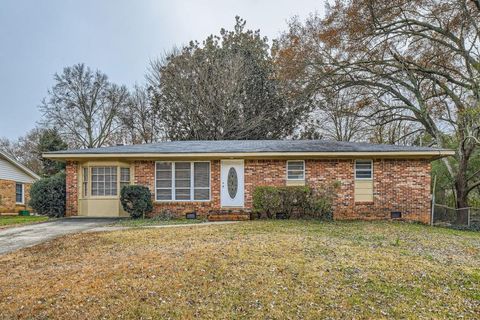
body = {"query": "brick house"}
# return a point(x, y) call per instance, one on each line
point(15, 182)
point(219, 177)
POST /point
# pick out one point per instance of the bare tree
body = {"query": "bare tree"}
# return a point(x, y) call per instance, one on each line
point(85, 107)
point(336, 115)
point(418, 60)
point(24, 149)
point(141, 122)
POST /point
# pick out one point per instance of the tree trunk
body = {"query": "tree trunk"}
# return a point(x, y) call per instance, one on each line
point(461, 190)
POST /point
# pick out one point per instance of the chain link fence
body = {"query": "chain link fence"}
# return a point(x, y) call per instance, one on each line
point(465, 217)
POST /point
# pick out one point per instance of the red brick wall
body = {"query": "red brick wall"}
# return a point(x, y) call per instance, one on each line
point(399, 185)
point(144, 172)
point(72, 188)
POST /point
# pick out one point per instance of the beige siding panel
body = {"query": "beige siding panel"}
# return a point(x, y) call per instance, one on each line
point(101, 208)
point(295, 182)
point(363, 190)
point(9, 171)
point(363, 197)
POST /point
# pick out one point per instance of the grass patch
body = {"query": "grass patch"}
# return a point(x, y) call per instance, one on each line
point(153, 222)
point(255, 269)
point(8, 221)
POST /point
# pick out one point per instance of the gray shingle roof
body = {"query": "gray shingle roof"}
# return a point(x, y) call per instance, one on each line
point(243, 146)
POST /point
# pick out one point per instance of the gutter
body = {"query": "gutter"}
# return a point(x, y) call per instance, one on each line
point(436, 154)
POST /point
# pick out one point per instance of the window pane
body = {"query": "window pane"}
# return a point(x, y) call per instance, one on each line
point(164, 194)
point(295, 166)
point(167, 166)
point(182, 194)
point(182, 166)
point(202, 194)
point(85, 182)
point(19, 193)
point(295, 170)
point(292, 176)
point(104, 181)
point(125, 174)
point(163, 177)
point(363, 169)
point(182, 183)
point(164, 183)
point(182, 180)
point(201, 174)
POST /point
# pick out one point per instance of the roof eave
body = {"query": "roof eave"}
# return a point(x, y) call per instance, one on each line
point(434, 154)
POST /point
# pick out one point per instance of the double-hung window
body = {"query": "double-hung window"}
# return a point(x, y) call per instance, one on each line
point(19, 193)
point(363, 170)
point(295, 170)
point(182, 181)
point(85, 182)
point(124, 177)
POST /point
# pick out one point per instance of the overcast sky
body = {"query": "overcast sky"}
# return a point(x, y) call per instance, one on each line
point(118, 37)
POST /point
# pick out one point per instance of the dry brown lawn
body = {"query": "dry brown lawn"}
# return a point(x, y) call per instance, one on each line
point(262, 270)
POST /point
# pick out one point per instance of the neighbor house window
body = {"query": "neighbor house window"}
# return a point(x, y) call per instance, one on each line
point(104, 181)
point(124, 177)
point(363, 169)
point(19, 193)
point(296, 170)
point(182, 181)
point(85, 182)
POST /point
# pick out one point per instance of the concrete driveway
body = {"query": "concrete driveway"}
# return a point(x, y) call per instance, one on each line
point(26, 236)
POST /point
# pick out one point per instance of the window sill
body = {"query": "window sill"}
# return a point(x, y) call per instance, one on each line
point(363, 202)
point(101, 198)
point(295, 182)
point(180, 201)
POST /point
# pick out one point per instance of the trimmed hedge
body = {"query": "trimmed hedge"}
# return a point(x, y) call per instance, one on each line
point(136, 200)
point(294, 202)
point(48, 196)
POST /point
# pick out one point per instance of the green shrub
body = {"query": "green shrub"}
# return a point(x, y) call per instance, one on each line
point(136, 200)
point(267, 202)
point(294, 202)
point(48, 196)
point(321, 201)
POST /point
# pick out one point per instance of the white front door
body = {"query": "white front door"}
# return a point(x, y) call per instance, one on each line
point(232, 186)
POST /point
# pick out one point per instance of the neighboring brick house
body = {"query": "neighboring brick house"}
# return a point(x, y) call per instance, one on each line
point(15, 182)
point(219, 177)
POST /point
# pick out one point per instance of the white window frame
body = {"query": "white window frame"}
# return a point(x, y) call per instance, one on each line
point(90, 171)
point(355, 169)
point(23, 192)
point(120, 181)
point(303, 179)
point(85, 183)
point(192, 182)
